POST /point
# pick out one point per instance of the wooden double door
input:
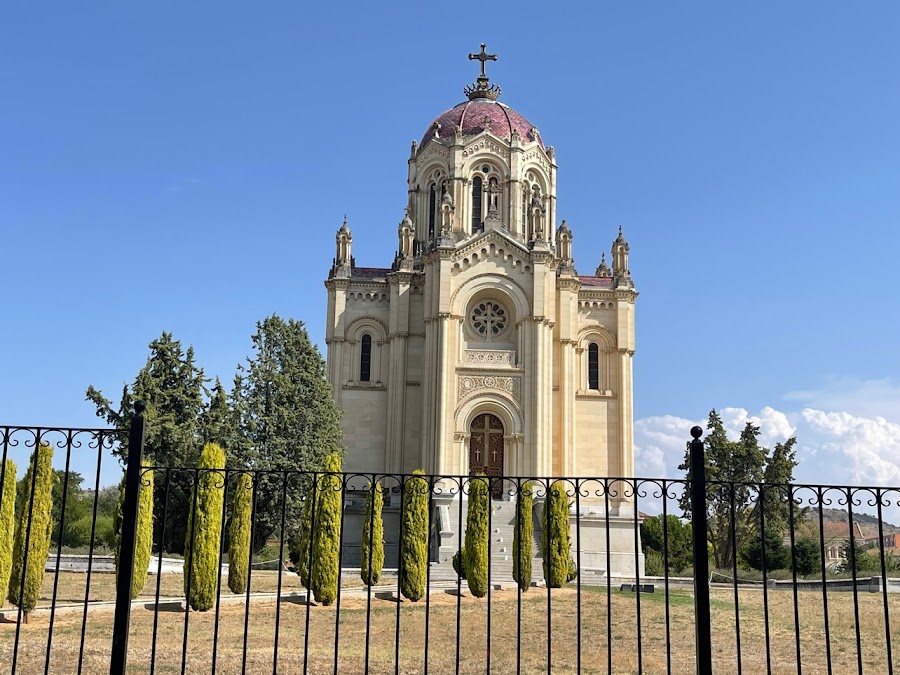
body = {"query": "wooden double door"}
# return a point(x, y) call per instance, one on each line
point(486, 449)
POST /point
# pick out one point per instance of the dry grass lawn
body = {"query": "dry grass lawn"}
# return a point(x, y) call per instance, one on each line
point(441, 615)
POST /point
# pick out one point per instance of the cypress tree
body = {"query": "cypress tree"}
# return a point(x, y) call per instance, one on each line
point(326, 539)
point(300, 545)
point(556, 540)
point(523, 538)
point(7, 522)
point(476, 547)
point(201, 556)
point(37, 510)
point(239, 534)
point(372, 553)
point(144, 542)
point(414, 545)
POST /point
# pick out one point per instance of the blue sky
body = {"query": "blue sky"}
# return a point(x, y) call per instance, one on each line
point(184, 166)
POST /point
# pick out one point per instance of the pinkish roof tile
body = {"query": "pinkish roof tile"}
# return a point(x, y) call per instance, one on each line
point(470, 116)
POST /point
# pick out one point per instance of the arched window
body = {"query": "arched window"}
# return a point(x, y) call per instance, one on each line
point(593, 366)
point(432, 206)
point(365, 359)
point(524, 206)
point(477, 191)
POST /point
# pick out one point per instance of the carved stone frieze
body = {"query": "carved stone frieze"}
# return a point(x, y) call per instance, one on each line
point(486, 145)
point(472, 383)
point(490, 357)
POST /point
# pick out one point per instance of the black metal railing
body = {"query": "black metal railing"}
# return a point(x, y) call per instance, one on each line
point(777, 577)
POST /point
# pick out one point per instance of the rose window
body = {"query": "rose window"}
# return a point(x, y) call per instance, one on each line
point(489, 319)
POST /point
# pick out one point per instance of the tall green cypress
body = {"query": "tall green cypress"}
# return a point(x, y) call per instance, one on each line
point(239, 534)
point(7, 522)
point(414, 544)
point(523, 537)
point(326, 539)
point(556, 540)
point(300, 546)
point(476, 547)
point(201, 555)
point(372, 552)
point(144, 541)
point(35, 522)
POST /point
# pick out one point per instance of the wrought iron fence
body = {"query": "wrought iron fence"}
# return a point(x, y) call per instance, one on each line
point(774, 581)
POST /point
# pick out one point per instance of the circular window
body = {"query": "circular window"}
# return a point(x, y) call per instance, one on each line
point(489, 319)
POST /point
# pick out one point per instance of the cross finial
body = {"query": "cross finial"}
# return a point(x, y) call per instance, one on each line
point(482, 88)
point(483, 57)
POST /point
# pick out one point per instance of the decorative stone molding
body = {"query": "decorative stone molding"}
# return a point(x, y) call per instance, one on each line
point(486, 145)
point(490, 357)
point(471, 383)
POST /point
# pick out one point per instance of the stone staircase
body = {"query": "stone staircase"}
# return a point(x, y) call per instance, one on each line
point(502, 526)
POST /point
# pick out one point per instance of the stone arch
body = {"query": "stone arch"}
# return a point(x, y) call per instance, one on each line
point(607, 368)
point(496, 284)
point(376, 329)
point(494, 403)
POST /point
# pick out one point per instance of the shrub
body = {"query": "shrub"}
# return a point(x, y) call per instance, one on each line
point(777, 555)
point(326, 539)
point(476, 546)
point(806, 556)
point(523, 537)
point(204, 527)
point(657, 531)
point(414, 543)
point(144, 541)
point(35, 523)
point(7, 522)
point(239, 534)
point(459, 563)
point(653, 564)
point(556, 540)
point(372, 554)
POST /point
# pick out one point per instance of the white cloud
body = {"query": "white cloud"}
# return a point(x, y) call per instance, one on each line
point(866, 398)
point(837, 447)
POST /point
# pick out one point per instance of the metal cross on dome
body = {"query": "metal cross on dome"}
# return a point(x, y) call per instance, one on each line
point(483, 57)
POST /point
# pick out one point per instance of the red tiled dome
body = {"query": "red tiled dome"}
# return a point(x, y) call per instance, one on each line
point(470, 116)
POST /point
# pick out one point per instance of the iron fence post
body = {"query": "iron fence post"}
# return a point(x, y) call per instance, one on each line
point(119, 655)
point(701, 556)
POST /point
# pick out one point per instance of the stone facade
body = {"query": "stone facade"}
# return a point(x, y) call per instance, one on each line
point(481, 347)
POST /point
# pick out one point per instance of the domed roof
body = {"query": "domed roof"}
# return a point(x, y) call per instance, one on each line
point(471, 116)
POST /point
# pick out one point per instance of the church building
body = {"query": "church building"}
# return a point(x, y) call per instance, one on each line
point(481, 349)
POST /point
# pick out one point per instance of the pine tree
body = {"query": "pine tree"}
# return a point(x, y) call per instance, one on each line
point(556, 539)
point(143, 547)
point(7, 521)
point(219, 424)
point(372, 553)
point(35, 524)
point(732, 469)
point(476, 547)
point(204, 530)
point(523, 537)
point(239, 534)
point(326, 539)
point(414, 543)
point(288, 418)
point(171, 385)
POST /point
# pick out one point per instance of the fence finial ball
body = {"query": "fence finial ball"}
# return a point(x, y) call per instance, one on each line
point(139, 406)
point(696, 432)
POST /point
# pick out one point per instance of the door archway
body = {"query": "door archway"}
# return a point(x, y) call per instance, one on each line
point(486, 448)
